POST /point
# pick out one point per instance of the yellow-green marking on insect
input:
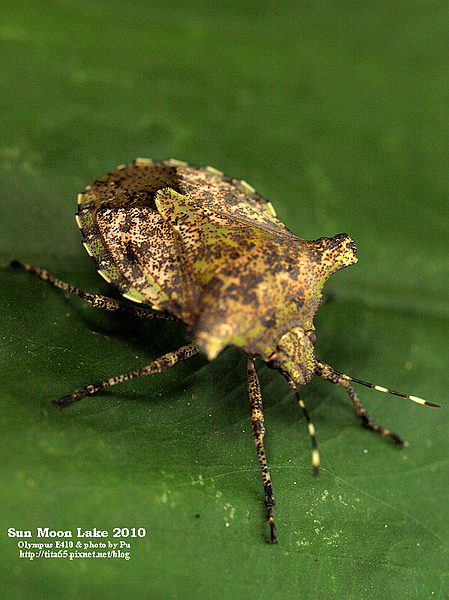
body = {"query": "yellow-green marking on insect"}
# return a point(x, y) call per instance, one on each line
point(190, 243)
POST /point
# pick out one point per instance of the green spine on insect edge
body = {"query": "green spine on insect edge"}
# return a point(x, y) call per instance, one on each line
point(210, 250)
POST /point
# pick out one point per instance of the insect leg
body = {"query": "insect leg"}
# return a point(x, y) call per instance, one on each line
point(158, 365)
point(330, 374)
point(258, 430)
point(96, 300)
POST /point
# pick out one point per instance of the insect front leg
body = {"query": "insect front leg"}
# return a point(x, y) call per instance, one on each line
point(366, 420)
point(330, 374)
point(158, 365)
point(258, 430)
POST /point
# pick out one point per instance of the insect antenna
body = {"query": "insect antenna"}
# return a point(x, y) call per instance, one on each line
point(327, 372)
point(311, 427)
point(335, 376)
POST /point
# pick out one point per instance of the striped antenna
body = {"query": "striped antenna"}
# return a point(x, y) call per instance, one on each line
point(379, 388)
point(310, 426)
point(327, 372)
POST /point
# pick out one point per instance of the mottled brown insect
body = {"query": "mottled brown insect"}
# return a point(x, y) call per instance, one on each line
point(191, 244)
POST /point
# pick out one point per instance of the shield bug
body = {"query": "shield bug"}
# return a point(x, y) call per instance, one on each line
point(191, 244)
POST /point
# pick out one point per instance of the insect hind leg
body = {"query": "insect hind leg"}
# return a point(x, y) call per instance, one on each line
point(333, 376)
point(95, 300)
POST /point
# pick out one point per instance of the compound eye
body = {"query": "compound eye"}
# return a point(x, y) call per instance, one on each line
point(312, 337)
point(274, 363)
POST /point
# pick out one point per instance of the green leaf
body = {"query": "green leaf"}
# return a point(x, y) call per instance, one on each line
point(336, 112)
